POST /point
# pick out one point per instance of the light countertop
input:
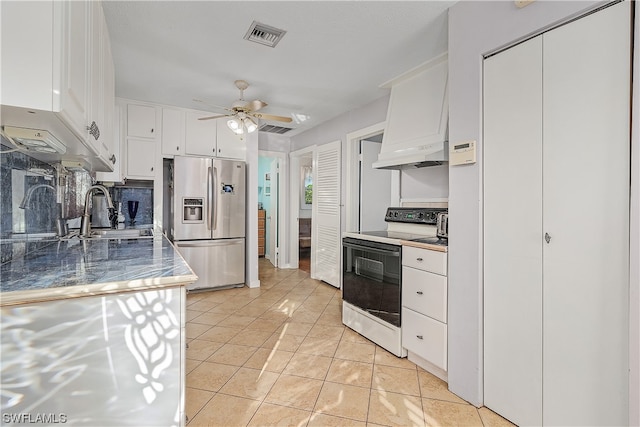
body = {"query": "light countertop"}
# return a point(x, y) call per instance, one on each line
point(60, 269)
point(432, 247)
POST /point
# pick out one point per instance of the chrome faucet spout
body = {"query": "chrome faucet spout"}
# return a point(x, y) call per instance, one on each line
point(85, 223)
point(27, 197)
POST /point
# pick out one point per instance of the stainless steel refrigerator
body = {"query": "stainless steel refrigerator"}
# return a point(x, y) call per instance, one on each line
point(209, 219)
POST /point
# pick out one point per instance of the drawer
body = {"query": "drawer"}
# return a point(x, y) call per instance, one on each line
point(425, 293)
point(261, 223)
point(260, 241)
point(425, 337)
point(424, 259)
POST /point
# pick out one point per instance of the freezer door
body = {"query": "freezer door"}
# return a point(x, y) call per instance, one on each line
point(217, 263)
point(229, 194)
point(192, 185)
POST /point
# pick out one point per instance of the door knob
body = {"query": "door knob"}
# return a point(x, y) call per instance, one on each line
point(547, 237)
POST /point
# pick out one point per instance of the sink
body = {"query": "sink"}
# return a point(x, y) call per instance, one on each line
point(132, 233)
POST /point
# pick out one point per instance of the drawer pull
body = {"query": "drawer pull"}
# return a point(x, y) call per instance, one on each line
point(419, 292)
point(419, 337)
point(418, 259)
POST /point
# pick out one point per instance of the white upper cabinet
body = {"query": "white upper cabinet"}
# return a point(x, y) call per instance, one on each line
point(57, 74)
point(230, 145)
point(76, 49)
point(200, 136)
point(172, 132)
point(141, 121)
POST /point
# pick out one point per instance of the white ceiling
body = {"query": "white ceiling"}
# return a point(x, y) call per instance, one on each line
point(332, 59)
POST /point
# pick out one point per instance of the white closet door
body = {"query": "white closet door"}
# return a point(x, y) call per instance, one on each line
point(325, 240)
point(512, 228)
point(586, 196)
point(273, 250)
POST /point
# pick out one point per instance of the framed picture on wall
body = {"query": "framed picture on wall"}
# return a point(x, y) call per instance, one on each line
point(306, 187)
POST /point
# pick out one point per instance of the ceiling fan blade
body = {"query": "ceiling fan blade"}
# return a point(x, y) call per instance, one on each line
point(256, 104)
point(214, 117)
point(213, 105)
point(272, 117)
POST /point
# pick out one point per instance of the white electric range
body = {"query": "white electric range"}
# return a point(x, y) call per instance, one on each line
point(372, 273)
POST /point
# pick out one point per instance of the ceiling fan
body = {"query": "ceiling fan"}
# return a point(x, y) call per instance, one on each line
point(244, 113)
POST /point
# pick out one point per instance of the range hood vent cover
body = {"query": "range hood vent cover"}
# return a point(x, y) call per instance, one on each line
point(35, 140)
point(416, 134)
point(264, 34)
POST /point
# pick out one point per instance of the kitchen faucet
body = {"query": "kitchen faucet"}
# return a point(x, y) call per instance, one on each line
point(85, 223)
point(30, 191)
point(60, 222)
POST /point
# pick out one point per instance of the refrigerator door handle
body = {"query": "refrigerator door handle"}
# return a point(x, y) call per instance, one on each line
point(209, 196)
point(208, 243)
point(215, 199)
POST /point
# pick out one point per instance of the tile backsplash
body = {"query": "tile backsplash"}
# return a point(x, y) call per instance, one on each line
point(61, 193)
point(18, 173)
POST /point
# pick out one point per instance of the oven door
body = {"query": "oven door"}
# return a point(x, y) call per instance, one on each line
point(371, 277)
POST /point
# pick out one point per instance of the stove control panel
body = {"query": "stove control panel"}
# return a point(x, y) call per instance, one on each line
point(414, 215)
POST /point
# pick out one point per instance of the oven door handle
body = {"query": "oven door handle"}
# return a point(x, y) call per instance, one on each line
point(394, 253)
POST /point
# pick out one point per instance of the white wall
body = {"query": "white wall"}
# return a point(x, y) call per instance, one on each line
point(337, 129)
point(425, 183)
point(274, 142)
point(476, 28)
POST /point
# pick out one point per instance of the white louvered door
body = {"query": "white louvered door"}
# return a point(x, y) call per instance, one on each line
point(325, 238)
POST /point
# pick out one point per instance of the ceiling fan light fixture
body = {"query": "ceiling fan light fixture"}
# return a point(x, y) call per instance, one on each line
point(236, 126)
point(250, 125)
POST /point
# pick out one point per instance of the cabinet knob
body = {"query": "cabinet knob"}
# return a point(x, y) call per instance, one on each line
point(419, 337)
point(419, 292)
point(177, 148)
point(151, 168)
point(113, 159)
point(418, 259)
point(547, 237)
point(151, 130)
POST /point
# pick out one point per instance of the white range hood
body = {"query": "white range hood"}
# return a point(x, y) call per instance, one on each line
point(417, 118)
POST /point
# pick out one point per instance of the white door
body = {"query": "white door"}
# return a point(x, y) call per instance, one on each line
point(325, 229)
point(586, 213)
point(272, 216)
point(375, 189)
point(513, 213)
point(556, 251)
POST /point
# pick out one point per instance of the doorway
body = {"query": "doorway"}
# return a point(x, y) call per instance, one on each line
point(304, 213)
point(270, 206)
point(369, 191)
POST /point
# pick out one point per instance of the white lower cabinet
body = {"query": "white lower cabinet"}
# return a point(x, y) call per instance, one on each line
point(424, 308)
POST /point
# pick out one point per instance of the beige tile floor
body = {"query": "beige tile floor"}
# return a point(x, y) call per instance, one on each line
point(279, 355)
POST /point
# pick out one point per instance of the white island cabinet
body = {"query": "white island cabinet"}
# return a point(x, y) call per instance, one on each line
point(424, 308)
point(93, 333)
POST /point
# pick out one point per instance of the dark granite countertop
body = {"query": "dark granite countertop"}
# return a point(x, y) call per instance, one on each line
point(59, 269)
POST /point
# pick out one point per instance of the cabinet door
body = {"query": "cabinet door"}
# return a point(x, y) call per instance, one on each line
point(98, 133)
point(425, 293)
point(230, 145)
point(117, 175)
point(141, 121)
point(425, 337)
point(586, 213)
point(140, 158)
point(76, 65)
point(513, 233)
point(172, 132)
point(200, 135)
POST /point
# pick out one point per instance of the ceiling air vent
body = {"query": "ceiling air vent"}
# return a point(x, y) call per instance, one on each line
point(273, 129)
point(264, 34)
